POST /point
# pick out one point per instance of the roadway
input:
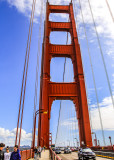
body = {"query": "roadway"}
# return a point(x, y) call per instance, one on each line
point(74, 156)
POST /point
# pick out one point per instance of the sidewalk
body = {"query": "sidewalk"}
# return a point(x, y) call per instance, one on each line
point(44, 156)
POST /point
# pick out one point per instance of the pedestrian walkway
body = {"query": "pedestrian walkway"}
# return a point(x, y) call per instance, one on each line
point(44, 155)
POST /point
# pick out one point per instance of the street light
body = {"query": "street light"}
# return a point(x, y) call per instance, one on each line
point(64, 144)
point(36, 113)
point(95, 138)
point(41, 111)
point(98, 143)
point(110, 141)
point(77, 142)
point(69, 142)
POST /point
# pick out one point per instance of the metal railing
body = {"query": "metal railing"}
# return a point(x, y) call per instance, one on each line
point(53, 155)
point(26, 154)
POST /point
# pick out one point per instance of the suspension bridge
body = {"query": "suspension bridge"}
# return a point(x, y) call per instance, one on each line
point(75, 126)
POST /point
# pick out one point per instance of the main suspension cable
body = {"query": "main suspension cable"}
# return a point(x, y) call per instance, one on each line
point(110, 10)
point(29, 44)
point(92, 74)
point(101, 54)
point(23, 79)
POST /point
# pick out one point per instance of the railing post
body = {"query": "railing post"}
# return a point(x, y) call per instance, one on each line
point(26, 154)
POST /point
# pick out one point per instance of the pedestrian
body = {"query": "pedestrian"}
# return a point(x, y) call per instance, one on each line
point(15, 155)
point(44, 148)
point(7, 155)
point(39, 151)
point(2, 145)
point(35, 153)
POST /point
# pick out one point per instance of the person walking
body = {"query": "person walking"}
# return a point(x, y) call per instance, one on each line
point(2, 145)
point(35, 153)
point(39, 151)
point(15, 155)
point(44, 148)
point(7, 155)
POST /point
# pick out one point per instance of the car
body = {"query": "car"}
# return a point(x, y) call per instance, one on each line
point(57, 151)
point(86, 153)
point(72, 149)
point(67, 150)
point(53, 148)
point(62, 148)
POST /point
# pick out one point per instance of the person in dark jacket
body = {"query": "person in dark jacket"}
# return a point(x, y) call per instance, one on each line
point(2, 145)
point(15, 155)
point(35, 153)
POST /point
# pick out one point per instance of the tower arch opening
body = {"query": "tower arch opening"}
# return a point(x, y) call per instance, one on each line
point(60, 37)
point(57, 70)
point(59, 17)
point(64, 126)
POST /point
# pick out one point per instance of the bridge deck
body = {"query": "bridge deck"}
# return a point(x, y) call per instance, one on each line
point(74, 156)
point(44, 156)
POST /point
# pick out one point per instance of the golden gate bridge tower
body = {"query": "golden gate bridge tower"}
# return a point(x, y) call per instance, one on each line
point(50, 91)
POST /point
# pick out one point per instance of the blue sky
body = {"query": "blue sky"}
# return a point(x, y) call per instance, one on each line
point(14, 17)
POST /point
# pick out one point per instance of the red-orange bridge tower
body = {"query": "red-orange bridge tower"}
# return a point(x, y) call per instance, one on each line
point(50, 91)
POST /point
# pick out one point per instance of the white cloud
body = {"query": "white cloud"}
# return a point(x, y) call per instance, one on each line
point(107, 113)
point(25, 7)
point(101, 13)
point(70, 123)
point(103, 21)
point(8, 137)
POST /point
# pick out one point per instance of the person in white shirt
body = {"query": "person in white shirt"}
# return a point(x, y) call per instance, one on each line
point(39, 151)
point(7, 154)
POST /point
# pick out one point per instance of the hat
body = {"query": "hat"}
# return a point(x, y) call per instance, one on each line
point(2, 145)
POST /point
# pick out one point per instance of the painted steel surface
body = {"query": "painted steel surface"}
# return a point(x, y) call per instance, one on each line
point(50, 91)
point(26, 154)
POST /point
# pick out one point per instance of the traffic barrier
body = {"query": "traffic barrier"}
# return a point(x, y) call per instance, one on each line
point(103, 148)
point(26, 154)
point(105, 154)
point(53, 155)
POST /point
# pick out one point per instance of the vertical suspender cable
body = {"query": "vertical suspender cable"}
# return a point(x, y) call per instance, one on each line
point(37, 67)
point(58, 124)
point(110, 10)
point(72, 127)
point(75, 126)
point(61, 101)
point(93, 74)
point(34, 2)
point(102, 55)
point(69, 125)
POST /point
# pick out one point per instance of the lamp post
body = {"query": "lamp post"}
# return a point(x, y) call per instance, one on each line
point(74, 144)
point(110, 141)
point(40, 111)
point(98, 143)
point(69, 142)
point(95, 138)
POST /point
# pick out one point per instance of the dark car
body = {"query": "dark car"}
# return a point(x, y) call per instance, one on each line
point(86, 153)
point(53, 148)
point(57, 151)
point(67, 150)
